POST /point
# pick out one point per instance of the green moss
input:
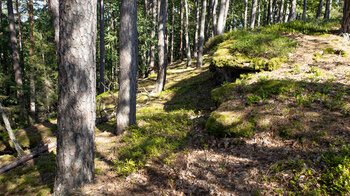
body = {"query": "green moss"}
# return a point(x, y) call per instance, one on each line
point(329, 50)
point(218, 95)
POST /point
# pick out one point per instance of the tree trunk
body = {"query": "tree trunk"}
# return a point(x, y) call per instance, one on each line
point(32, 95)
point(327, 13)
point(221, 18)
point(215, 20)
point(280, 13)
point(245, 19)
point(270, 13)
point(172, 32)
point(195, 51)
point(10, 132)
point(319, 10)
point(128, 42)
point(20, 35)
point(76, 95)
point(188, 49)
point(346, 18)
point(253, 15)
point(209, 15)
point(286, 15)
point(54, 4)
point(102, 46)
point(181, 29)
point(153, 35)
point(201, 35)
point(304, 10)
point(293, 11)
point(227, 8)
point(15, 56)
point(162, 53)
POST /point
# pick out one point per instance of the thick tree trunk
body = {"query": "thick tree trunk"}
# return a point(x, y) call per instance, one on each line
point(181, 30)
point(172, 32)
point(221, 19)
point(293, 11)
point(346, 18)
point(304, 10)
point(245, 19)
point(188, 49)
point(280, 13)
point(10, 132)
point(214, 18)
point(126, 112)
point(327, 13)
point(195, 51)
point(319, 10)
point(54, 4)
point(32, 95)
point(253, 15)
point(201, 35)
point(76, 95)
point(162, 53)
point(102, 46)
point(153, 35)
point(15, 55)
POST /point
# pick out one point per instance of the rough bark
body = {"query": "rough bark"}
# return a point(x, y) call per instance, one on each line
point(201, 34)
point(10, 132)
point(32, 95)
point(214, 17)
point(346, 18)
point(188, 49)
point(153, 35)
point(319, 10)
point(54, 6)
point(195, 51)
point(76, 95)
point(181, 29)
point(162, 52)
point(304, 10)
point(280, 13)
point(253, 14)
point(172, 32)
point(221, 19)
point(102, 46)
point(15, 54)
point(128, 44)
point(327, 13)
point(293, 11)
point(245, 19)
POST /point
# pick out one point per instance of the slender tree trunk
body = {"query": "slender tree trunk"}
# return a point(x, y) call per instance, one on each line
point(304, 10)
point(346, 18)
point(15, 56)
point(126, 112)
point(221, 19)
point(215, 20)
point(245, 19)
point(162, 53)
point(116, 66)
point(280, 14)
point(54, 4)
point(76, 95)
point(188, 49)
point(20, 35)
point(102, 46)
point(293, 11)
point(209, 15)
point(227, 8)
point(172, 32)
point(32, 95)
point(201, 35)
point(195, 51)
point(286, 15)
point(319, 10)
point(153, 35)
point(10, 132)
point(259, 13)
point(270, 13)
point(253, 15)
point(181, 30)
point(327, 13)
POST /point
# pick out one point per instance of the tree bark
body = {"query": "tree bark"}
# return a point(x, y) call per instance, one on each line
point(259, 13)
point(188, 49)
point(327, 13)
point(304, 10)
point(54, 5)
point(153, 35)
point(221, 19)
point(10, 132)
point(201, 35)
point(181, 29)
point(102, 46)
point(162, 52)
point(76, 95)
point(280, 13)
point(286, 15)
point(20, 35)
point(172, 32)
point(15, 55)
point(245, 19)
point(195, 51)
point(214, 18)
point(270, 13)
point(32, 109)
point(126, 111)
point(293, 11)
point(253, 14)
point(346, 18)
point(319, 10)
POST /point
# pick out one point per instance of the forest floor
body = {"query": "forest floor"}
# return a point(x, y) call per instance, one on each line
point(181, 158)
